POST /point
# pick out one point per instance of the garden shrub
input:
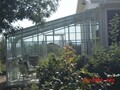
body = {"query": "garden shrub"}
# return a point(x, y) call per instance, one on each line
point(63, 72)
point(67, 72)
point(58, 74)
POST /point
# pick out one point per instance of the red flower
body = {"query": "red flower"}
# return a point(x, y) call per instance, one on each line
point(110, 80)
point(96, 80)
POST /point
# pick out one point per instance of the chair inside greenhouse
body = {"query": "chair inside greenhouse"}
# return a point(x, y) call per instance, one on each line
point(35, 43)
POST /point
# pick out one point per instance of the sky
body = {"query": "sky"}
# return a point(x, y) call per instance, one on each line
point(65, 8)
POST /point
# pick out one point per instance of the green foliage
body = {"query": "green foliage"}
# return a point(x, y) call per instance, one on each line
point(64, 73)
point(58, 74)
point(114, 28)
point(30, 86)
point(35, 10)
point(34, 87)
point(105, 60)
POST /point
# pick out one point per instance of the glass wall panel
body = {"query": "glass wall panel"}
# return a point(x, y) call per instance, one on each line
point(78, 36)
point(59, 31)
point(72, 28)
point(49, 39)
point(9, 47)
point(48, 32)
point(18, 48)
point(72, 36)
point(41, 37)
point(78, 28)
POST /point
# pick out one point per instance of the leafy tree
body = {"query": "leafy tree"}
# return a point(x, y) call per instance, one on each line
point(34, 10)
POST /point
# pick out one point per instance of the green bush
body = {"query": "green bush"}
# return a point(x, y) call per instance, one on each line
point(105, 60)
point(68, 71)
point(58, 74)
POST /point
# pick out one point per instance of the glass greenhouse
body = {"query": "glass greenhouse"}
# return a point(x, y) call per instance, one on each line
point(34, 43)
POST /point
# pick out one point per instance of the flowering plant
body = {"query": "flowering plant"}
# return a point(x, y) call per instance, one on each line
point(99, 80)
